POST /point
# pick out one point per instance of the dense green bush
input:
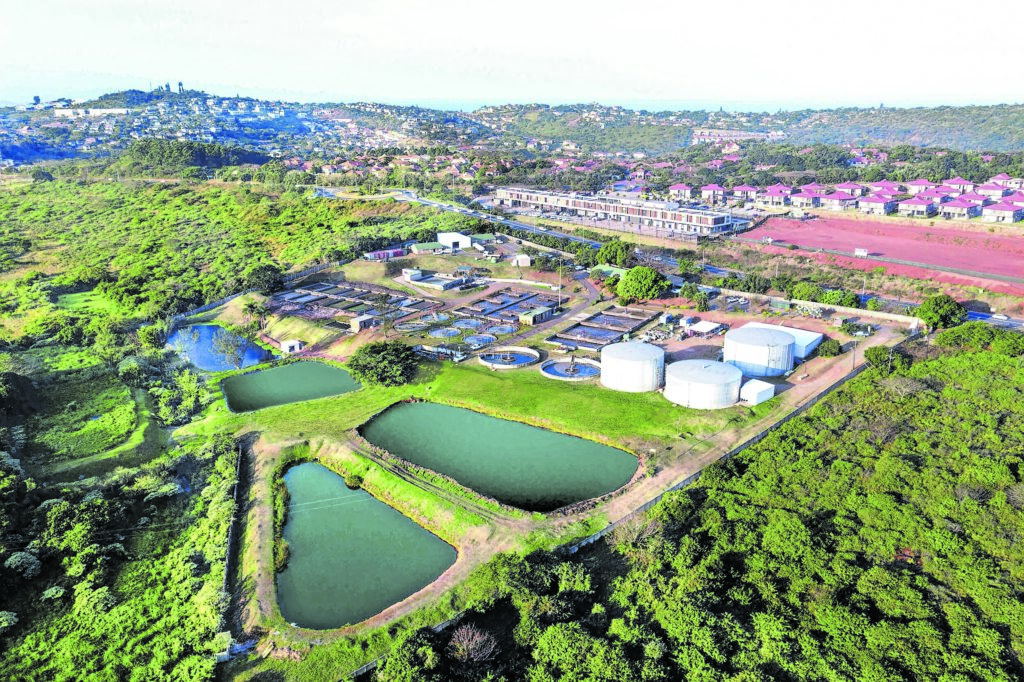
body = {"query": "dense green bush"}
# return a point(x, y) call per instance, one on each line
point(384, 363)
point(829, 348)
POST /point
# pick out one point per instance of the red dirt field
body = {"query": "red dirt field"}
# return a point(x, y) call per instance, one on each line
point(905, 271)
point(942, 246)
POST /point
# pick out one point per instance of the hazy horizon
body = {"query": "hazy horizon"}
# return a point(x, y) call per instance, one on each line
point(755, 57)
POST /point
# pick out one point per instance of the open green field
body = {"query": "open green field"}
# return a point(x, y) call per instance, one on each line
point(87, 302)
point(83, 417)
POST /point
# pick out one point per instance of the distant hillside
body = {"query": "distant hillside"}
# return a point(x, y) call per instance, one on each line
point(995, 128)
point(137, 98)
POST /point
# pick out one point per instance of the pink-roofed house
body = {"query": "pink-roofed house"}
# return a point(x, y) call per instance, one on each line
point(745, 192)
point(852, 188)
point(1002, 213)
point(1000, 179)
point(713, 194)
point(916, 208)
point(876, 205)
point(919, 185)
point(813, 187)
point(976, 198)
point(886, 186)
point(1017, 199)
point(805, 200)
point(733, 158)
point(774, 196)
point(991, 189)
point(934, 195)
point(780, 187)
point(960, 184)
point(680, 190)
point(838, 201)
point(960, 209)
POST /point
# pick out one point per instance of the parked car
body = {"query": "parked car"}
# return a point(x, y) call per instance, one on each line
point(1000, 316)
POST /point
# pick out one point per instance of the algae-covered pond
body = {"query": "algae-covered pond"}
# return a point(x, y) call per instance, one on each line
point(524, 466)
point(286, 384)
point(352, 556)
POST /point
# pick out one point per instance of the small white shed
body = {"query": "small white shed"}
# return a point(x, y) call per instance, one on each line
point(755, 392)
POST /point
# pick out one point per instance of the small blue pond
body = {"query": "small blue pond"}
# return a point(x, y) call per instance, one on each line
point(195, 344)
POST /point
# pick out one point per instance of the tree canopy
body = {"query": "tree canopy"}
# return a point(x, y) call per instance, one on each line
point(642, 284)
point(384, 363)
point(941, 311)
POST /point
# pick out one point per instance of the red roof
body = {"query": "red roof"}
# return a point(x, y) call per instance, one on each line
point(957, 181)
point(744, 188)
point(875, 200)
point(915, 202)
point(849, 185)
point(713, 188)
point(921, 182)
point(680, 187)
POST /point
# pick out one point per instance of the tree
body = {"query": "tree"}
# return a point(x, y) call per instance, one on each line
point(886, 360)
point(385, 306)
point(829, 348)
point(642, 284)
point(23, 563)
point(806, 291)
point(617, 253)
point(702, 301)
point(384, 363)
point(469, 643)
point(40, 175)
point(256, 311)
point(231, 347)
point(8, 619)
point(942, 311)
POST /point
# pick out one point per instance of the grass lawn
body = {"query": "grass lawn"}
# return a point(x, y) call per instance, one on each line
point(87, 302)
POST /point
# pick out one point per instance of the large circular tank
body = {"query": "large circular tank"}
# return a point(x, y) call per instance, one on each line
point(632, 367)
point(759, 352)
point(703, 384)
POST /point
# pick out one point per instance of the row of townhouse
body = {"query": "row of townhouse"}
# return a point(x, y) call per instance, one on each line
point(1000, 199)
point(662, 215)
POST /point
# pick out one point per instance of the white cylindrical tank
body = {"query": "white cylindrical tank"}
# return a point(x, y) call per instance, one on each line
point(632, 367)
point(759, 352)
point(703, 384)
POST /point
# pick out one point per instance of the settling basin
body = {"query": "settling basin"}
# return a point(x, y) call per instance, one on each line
point(521, 465)
point(286, 384)
point(351, 555)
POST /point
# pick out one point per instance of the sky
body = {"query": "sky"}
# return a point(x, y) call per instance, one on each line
point(740, 55)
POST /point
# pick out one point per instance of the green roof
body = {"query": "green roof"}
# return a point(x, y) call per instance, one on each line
point(485, 237)
point(428, 245)
point(535, 311)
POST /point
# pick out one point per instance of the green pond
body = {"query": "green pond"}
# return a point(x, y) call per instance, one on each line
point(352, 556)
point(524, 466)
point(286, 384)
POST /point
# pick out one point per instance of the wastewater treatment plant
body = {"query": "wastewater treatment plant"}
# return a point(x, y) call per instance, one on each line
point(382, 497)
